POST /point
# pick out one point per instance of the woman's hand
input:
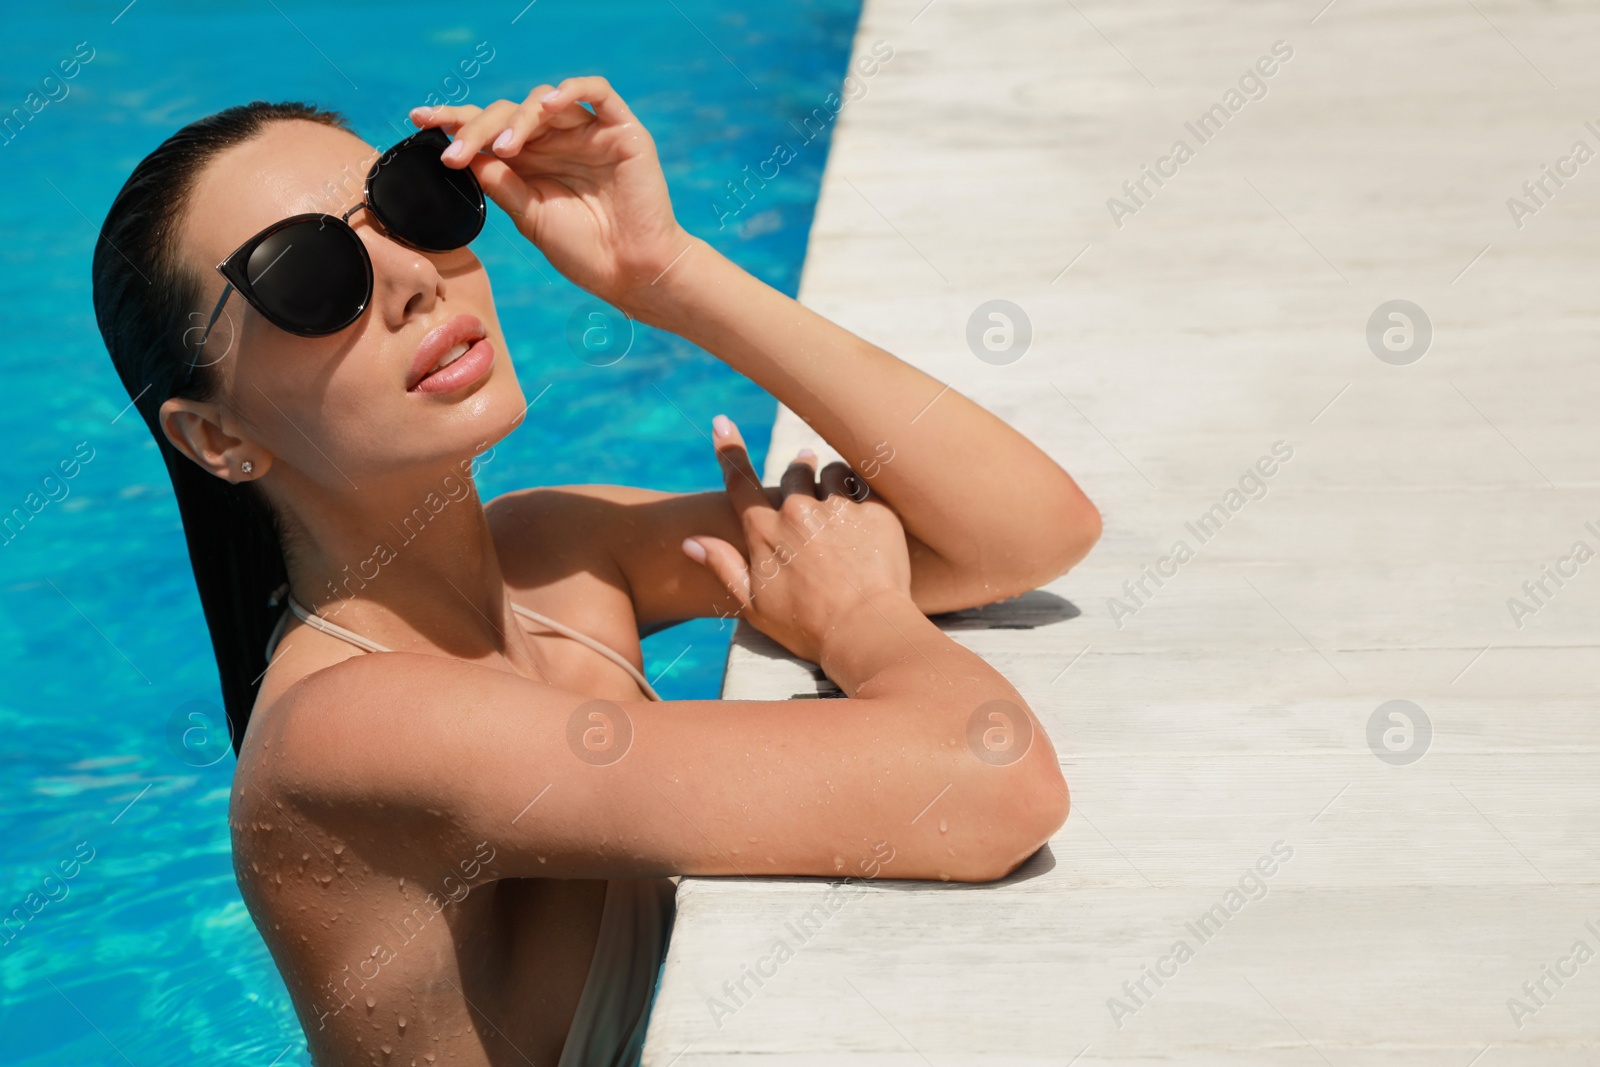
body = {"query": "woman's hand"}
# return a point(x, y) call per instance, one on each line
point(586, 188)
point(828, 548)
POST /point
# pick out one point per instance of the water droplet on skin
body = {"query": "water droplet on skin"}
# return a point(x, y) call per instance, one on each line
point(372, 1002)
point(944, 827)
point(338, 850)
point(386, 1049)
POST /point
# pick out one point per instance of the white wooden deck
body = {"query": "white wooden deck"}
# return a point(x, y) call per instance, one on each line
point(1231, 711)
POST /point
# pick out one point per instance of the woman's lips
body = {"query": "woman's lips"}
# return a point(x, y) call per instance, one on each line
point(440, 342)
point(461, 372)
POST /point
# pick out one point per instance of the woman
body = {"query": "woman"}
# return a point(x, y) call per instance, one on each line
point(456, 813)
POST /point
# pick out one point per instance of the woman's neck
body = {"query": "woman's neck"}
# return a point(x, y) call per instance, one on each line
point(414, 566)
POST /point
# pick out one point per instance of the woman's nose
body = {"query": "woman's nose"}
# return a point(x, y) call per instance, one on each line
point(405, 282)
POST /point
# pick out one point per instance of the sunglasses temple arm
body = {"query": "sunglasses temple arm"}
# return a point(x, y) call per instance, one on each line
point(216, 313)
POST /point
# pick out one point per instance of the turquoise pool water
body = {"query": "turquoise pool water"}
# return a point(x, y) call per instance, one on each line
point(127, 941)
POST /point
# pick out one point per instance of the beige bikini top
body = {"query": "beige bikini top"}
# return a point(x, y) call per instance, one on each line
point(635, 924)
point(317, 622)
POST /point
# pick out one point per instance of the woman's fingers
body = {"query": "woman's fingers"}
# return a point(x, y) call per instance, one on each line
point(518, 125)
point(724, 561)
point(594, 90)
point(839, 479)
point(533, 118)
point(564, 116)
point(740, 478)
point(508, 189)
point(801, 475)
point(476, 133)
point(447, 117)
point(505, 126)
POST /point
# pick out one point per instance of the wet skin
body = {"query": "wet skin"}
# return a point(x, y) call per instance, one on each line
point(418, 908)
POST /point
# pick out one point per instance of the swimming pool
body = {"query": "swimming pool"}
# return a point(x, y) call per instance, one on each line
point(131, 943)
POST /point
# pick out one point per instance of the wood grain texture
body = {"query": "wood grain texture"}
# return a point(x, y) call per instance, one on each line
point(1230, 711)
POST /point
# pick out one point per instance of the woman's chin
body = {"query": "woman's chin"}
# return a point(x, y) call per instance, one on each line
point(495, 411)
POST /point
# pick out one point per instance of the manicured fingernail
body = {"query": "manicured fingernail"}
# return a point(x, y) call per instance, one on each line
point(503, 142)
point(805, 453)
point(457, 150)
point(551, 95)
point(721, 427)
point(693, 550)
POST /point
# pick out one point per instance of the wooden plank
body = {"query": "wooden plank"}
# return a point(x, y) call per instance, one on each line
point(1233, 709)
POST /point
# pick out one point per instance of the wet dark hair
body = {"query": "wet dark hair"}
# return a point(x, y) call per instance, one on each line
point(145, 302)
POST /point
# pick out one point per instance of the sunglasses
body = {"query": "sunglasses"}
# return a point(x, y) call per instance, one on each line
point(311, 275)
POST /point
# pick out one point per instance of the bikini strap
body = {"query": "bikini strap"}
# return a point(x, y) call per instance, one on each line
point(317, 622)
point(277, 632)
point(332, 629)
point(584, 639)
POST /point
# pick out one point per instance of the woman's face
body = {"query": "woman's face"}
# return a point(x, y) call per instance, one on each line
point(341, 410)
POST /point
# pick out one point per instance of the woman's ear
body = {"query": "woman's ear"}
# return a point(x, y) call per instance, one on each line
point(195, 429)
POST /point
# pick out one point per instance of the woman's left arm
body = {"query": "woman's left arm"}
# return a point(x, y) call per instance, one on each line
point(998, 514)
point(989, 515)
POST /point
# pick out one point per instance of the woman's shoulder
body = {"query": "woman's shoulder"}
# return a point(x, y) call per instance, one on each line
point(555, 501)
point(358, 724)
point(568, 519)
point(314, 696)
point(559, 526)
point(357, 751)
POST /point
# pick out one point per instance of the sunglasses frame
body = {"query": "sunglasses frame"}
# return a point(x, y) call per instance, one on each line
point(233, 267)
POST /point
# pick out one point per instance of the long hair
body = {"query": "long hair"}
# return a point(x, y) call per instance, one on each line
point(144, 303)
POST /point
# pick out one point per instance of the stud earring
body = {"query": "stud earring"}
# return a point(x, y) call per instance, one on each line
point(247, 466)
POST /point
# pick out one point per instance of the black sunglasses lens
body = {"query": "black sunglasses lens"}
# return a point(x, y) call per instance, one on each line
point(423, 202)
point(311, 277)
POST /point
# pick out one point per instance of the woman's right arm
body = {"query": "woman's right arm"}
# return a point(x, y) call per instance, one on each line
point(439, 753)
point(931, 752)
